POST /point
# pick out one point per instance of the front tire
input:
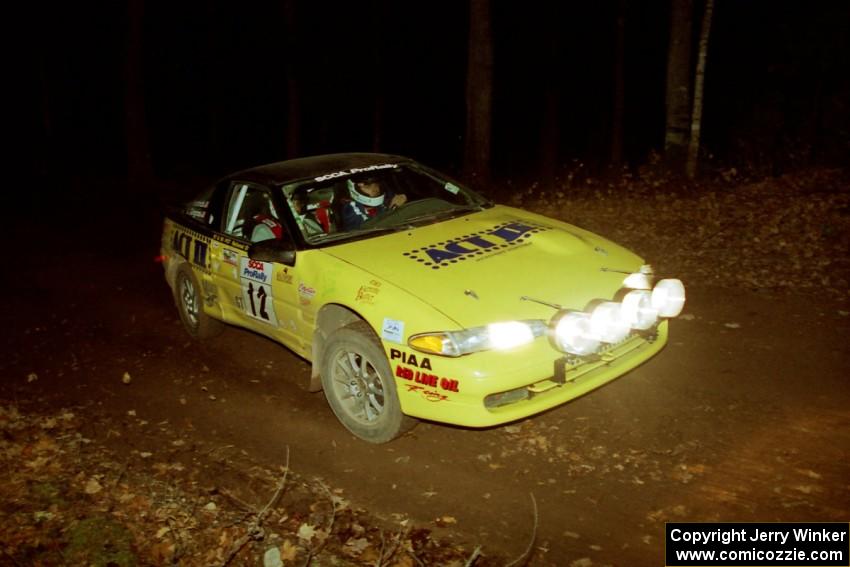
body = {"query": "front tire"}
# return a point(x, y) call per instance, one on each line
point(359, 385)
point(187, 296)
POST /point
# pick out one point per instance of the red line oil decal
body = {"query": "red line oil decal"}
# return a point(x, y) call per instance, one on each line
point(426, 379)
point(477, 245)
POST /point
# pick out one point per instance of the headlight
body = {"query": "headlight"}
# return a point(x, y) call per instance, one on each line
point(496, 336)
point(571, 333)
point(508, 335)
point(637, 310)
point(668, 297)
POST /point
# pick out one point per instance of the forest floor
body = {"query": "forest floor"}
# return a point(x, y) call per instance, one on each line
point(125, 443)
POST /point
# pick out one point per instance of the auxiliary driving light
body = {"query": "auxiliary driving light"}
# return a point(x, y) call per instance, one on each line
point(637, 310)
point(607, 324)
point(571, 333)
point(668, 297)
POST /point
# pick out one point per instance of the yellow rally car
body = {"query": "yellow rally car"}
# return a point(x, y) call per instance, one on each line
point(413, 296)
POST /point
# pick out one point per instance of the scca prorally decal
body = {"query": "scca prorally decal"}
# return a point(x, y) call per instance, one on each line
point(476, 245)
point(356, 170)
point(257, 299)
point(255, 270)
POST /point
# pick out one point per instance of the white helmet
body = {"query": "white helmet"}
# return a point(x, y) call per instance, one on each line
point(365, 199)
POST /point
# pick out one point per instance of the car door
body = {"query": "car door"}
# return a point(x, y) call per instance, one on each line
point(251, 293)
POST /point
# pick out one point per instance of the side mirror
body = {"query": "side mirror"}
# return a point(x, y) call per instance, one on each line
point(278, 251)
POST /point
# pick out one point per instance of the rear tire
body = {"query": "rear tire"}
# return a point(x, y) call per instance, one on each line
point(190, 306)
point(359, 385)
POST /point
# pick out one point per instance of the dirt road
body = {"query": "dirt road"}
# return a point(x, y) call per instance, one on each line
point(745, 416)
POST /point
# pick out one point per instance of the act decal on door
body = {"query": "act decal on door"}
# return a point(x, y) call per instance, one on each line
point(257, 299)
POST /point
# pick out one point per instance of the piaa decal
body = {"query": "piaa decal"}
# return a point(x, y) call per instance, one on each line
point(410, 359)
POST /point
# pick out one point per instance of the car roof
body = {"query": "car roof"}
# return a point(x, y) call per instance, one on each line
point(314, 166)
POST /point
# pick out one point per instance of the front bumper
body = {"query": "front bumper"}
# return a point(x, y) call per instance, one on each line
point(492, 388)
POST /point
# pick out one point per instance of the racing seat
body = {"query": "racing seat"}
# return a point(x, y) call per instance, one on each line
point(324, 214)
point(256, 210)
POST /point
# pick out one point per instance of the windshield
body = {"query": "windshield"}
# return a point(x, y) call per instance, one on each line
point(363, 202)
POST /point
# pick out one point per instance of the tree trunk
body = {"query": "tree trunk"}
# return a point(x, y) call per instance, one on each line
point(293, 98)
point(44, 158)
point(139, 168)
point(678, 95)
point(214, 96)
point(378, 80)
point(699, 82)
point(619, 110)
point(550, 137)
point(479, 87)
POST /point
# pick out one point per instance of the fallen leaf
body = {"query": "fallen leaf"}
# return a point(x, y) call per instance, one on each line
point(272, 558)
point(37, 463)
point(288, 551)
point(354, 547)
point(306, 532)
point(93, 486)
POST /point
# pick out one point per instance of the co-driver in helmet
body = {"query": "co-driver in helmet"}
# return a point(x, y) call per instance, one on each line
point(368, 200)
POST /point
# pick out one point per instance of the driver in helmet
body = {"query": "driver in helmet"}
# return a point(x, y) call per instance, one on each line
point(368, 200)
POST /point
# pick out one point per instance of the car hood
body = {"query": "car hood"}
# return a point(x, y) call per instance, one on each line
point(476, 269)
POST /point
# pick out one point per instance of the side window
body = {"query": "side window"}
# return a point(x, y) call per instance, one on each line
point(250, 213)
point(199, 208)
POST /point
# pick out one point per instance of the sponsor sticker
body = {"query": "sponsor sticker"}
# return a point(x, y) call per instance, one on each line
point(427, 379)
point(367, 293)
point(257, 298)
point(354, 170)
point(254, 270)
point(393, 330)
point(430, 395)
point(479, 246)
point(230, 257)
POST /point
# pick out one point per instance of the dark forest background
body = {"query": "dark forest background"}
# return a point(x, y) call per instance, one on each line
point(205, 87)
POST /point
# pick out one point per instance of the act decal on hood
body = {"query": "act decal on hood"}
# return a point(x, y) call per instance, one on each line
point(479, 245)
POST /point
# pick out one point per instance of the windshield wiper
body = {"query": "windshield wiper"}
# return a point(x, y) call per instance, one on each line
point(447, 212)
point(359, 232)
